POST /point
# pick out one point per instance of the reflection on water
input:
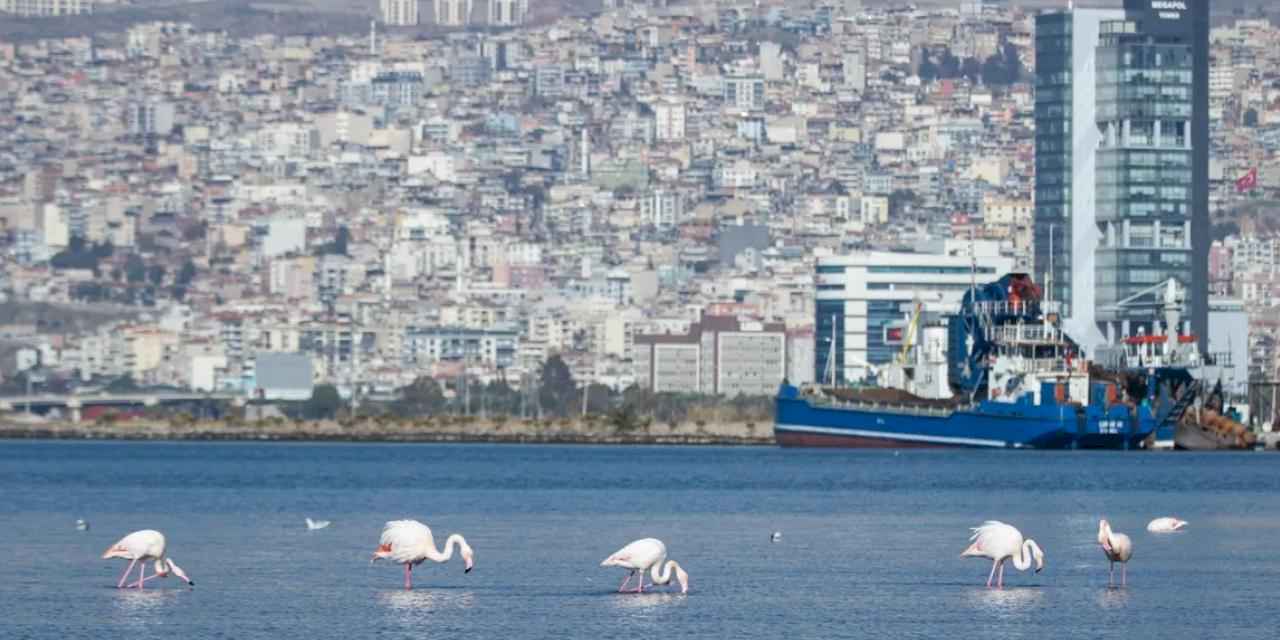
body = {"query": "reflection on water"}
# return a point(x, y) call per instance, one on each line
point(1113, 598)
point(142, 608)
point(1008, 603)
point(422, 600)
point(642, 603)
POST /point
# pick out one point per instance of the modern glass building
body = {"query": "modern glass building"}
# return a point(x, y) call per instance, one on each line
point(1122, 163)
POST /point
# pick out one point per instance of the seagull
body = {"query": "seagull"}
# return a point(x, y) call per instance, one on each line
point(312, 525)
point(82, 525)
point(776, 537)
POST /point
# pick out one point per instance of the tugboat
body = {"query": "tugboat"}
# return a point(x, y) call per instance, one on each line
point(1000, 373)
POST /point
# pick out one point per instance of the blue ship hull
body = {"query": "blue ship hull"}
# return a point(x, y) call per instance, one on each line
point(801, 423)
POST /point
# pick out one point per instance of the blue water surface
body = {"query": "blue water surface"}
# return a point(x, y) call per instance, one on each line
point(870, 547)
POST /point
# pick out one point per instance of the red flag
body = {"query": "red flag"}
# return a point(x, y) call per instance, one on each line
point(1248, 181)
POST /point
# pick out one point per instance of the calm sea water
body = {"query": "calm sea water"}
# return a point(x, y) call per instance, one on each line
point(870, 548)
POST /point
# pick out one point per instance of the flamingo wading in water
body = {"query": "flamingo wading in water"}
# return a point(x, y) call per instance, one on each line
point(1118, 548)
point(143, 546)
point(410, 542)
point(649, 555)
point(1166, 525)
point(1000, 542)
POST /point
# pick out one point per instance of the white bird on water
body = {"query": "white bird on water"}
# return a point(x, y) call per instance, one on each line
point(648, 554)
point(410, 542)
point(312, 525)
point(1000, 542)
point(776, 537)
point(82, 525)
point(143, 546)
point(1166, 525)
point(1117, 547)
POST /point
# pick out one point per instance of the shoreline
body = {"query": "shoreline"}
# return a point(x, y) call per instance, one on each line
point(568, 432)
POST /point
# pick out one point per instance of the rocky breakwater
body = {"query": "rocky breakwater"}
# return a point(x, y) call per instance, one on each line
point(587, 430)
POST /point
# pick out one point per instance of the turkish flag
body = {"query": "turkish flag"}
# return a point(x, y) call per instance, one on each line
point(1248, 180)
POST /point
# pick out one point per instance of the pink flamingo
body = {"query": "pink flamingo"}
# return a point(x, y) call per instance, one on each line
point(143, 546)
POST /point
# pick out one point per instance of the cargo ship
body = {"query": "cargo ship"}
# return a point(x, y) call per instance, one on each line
point(1000, 373)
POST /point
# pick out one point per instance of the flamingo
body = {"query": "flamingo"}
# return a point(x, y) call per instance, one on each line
point(651, 555)
point(144, 545)
point(409, 542)
point(1166, 525)
point(1000, 542)
point(1118, 548)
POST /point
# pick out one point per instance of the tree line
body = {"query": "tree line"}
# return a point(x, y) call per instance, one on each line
point(554, 395)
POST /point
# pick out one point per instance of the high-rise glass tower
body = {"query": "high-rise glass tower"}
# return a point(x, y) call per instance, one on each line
point(1122, 163)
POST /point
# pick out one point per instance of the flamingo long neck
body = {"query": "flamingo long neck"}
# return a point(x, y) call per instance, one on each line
point(1022, 561)
point(665, 576)
point(453, 541)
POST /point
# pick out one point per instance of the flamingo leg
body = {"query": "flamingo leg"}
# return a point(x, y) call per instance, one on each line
point(142, 571)
point(625, 581)
point(408, 582)
point(1000, 579)
point(1111, 573)
point(125, 576)
point(1123, 571)
point(640, 583)
point(993, 571)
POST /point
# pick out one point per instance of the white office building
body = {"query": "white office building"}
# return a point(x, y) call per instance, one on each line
point(400, 13)
point(862, 296)
point(508, 13)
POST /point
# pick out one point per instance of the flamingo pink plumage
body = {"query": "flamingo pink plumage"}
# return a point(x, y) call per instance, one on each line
point(142, 546)
point(648, 554)
point(1118, 548)
point(410, 542)
point(1000, 542)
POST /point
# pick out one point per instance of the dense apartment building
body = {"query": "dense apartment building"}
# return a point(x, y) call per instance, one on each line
point(46, 8)
point(719, 355)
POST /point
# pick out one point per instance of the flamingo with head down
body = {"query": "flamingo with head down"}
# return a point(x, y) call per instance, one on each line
point(1166, 525)
point(648, 554)
point(1000, 542)
point(410, 542)
point(143, 546)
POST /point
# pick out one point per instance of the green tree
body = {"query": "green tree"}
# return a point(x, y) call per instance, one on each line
point(1012, 64)
point(949, 66)
point(135, 270)
point(341, 241)
point(599, 399)
point(156, 274)
point(324, 404)
point(928, 71)
point(186, 274)
point(123, 384)
point(556, 388)
point(422, 397)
